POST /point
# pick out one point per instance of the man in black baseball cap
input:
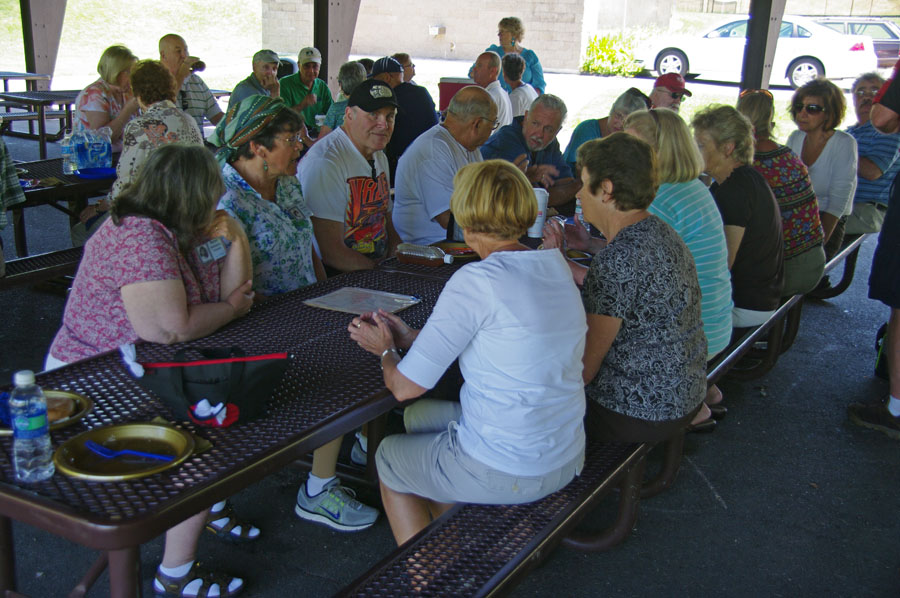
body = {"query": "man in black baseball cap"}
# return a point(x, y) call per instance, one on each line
point(346, 182)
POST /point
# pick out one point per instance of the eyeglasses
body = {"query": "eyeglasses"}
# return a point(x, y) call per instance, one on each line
point(810, 108)
point(295, 139)
point(411, 65)
point(677, 95)
point(862, 93)
point(494, 124)
point(765, 92)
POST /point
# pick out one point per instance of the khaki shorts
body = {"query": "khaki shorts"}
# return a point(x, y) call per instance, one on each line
point(866, 218)
point(428, 461)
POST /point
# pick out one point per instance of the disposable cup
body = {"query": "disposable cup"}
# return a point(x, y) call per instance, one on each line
point(536, 230)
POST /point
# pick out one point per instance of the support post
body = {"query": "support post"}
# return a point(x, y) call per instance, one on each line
point(762, 37)
point(42, 22)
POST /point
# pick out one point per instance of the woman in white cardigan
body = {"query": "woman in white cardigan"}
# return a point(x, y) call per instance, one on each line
point(830, 155)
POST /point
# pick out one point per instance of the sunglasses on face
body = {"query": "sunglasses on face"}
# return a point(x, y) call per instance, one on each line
point(677, 95)
point(810, 108)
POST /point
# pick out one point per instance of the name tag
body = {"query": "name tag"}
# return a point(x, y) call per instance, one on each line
point(211, 251)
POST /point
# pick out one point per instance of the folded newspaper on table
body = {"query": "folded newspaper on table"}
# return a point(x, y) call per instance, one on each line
point(354, 300)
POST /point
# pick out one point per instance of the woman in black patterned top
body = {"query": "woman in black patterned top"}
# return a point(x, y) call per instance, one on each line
point(645, 356)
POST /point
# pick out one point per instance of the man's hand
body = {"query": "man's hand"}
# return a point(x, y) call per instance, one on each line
point(309, 100)
point(185, 69)
point(544, 175)
point(270, 83)
point(521, 162)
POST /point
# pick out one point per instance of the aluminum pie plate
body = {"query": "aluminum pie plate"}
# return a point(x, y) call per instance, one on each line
point(82, 406)
point(74, 459)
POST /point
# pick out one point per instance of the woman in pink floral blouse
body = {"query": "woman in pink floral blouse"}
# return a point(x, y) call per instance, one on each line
point(108, 101)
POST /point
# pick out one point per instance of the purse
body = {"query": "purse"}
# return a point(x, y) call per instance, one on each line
point(225, 387)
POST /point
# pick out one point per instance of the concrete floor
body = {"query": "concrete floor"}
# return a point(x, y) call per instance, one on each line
point(786, 498)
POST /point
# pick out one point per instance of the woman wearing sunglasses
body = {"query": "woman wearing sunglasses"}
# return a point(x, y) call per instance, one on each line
point(818, 108)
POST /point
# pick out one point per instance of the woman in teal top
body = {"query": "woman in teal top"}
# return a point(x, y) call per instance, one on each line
point(510, 32)
point(685, 204)
point(595, 128)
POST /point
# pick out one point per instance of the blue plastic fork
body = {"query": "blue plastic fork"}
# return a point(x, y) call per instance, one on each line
point(108, 453)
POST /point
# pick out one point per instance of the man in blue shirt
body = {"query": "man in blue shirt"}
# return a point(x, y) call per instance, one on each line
point(530, 143)
point(878, 163)
point(263, 81)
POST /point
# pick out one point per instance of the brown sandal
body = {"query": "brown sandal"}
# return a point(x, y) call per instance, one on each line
point(173, 587)
point(225, 532)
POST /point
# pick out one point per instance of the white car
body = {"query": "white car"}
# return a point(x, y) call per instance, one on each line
point(805, 50)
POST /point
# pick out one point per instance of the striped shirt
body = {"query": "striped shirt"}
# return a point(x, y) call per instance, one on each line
point(689, 208)
point(197, 100)
point(882, 151)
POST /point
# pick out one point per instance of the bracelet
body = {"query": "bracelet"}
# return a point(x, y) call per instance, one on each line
point(386, 351)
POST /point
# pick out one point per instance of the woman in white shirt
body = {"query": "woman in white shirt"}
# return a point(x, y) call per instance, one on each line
point(830, 155)
point(517, 433)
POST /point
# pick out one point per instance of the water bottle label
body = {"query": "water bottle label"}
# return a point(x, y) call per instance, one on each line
point(30, 426)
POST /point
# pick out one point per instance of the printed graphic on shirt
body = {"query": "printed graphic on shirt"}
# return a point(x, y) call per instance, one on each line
point(364, 221)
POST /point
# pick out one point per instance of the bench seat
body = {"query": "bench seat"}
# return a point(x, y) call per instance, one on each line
point(39, 268)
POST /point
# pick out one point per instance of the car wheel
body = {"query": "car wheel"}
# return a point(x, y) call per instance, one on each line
point(672, 61)
point(804, 70)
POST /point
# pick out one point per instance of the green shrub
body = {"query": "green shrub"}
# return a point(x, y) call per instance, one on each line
point(611, 54)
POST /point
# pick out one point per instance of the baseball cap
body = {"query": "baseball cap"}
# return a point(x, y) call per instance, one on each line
point(371, 95)
point(267, 56)
point(386, 65)
point(672, 82)
point(309, 55)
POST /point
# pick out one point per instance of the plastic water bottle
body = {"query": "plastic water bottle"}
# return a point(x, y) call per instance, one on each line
point(80, 147)
point(579, 215)
point(32, 453)
point(425, 255)
point(67, 150)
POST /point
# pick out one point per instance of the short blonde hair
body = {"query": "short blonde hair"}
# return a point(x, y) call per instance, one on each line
point(514, 26)
point(724, 124)
point(113, 61)
point(678, 158)
point(493, 198)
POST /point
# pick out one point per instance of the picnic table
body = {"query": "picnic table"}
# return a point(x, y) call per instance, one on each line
point(30, 79)
point(72, 189)
point(331, 387)
point(39, 101)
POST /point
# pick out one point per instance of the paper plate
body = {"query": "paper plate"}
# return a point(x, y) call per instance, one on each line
point(74, 459)
point(459, 251)
point(83, 406)
point(96, 173)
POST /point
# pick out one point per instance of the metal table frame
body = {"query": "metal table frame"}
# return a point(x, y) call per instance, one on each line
point(40, 100)
point(331, 387)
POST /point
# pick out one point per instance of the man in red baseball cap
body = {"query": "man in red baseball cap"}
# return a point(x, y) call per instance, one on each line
point(668, 91)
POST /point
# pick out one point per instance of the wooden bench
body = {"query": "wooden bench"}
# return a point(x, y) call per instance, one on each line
point(40, 268)
point(483, 550)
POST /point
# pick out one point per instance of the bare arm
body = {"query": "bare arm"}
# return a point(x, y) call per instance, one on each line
point(393, 239)
point(237, 266)
point(884, 119)
point(377, 333)
point(159, 312)
point(602, 331)
point(829, 221)
point(868, 169)
point(335, 253)
point(443, 219)
point(733, 237)
point(97, 119)
point(563, 190)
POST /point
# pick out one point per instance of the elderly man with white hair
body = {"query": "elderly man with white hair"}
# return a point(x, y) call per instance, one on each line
point(194, 97)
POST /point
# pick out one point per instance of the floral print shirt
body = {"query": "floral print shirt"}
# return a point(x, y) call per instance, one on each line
point(280, 232)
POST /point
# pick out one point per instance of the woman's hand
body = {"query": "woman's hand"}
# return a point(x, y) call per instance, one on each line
point(403, 334)
point(241, 299)
point(371, 332)
point(223, 225)
point(554, 235)
point(578, 237)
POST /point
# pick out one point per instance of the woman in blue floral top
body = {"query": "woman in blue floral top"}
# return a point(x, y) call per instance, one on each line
point(259, 151)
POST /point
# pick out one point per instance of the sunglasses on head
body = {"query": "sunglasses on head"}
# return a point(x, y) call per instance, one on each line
point(810, 108)
point(765, 92)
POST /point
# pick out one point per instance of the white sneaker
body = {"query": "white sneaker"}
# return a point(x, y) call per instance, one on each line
point(358, 454)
